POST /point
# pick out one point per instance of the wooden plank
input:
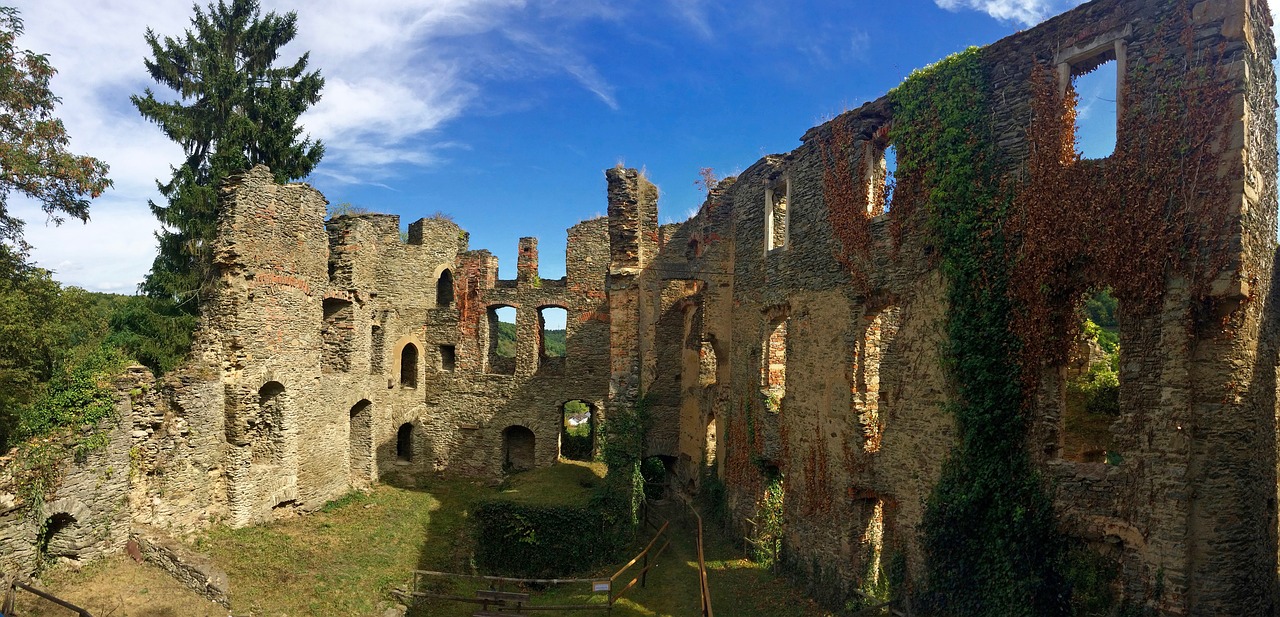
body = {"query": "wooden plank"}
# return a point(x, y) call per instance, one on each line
point(642, 553)
point(505, 579)
point(488, 614)
point(501, 596)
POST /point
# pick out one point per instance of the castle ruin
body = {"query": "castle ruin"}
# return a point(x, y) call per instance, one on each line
point(762, 342)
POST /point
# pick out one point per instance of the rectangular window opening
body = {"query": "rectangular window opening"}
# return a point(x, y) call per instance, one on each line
point(773, 365)
point(552, 321)
point(448, 358)
point(1091, 392)
point(502, 340)
point(1094, 85)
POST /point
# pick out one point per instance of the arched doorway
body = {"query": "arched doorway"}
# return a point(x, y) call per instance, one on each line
point(658, 472)
point(517, 448)
point(57, 538)
point(404, 442)
point(361, 440)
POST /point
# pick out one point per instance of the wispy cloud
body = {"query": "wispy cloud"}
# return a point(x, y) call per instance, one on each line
point(1025, 12)
point(694, 14)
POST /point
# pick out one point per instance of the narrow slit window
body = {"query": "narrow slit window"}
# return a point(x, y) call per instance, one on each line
point(777, 214)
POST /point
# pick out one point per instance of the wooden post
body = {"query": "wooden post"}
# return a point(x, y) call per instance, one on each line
point(6, 608)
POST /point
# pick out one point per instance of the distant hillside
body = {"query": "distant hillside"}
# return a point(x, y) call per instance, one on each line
point(554, 341)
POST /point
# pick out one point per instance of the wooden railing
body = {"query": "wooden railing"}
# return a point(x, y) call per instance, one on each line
point(644, 568)
point(11, 587)
point(496, 597)
point(703, 585)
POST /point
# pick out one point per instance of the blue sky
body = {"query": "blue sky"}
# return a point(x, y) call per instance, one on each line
point(502, 113)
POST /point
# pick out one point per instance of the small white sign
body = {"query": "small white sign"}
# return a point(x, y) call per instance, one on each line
point(601, 586)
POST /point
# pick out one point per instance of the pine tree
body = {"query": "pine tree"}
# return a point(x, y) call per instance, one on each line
point(236, 109)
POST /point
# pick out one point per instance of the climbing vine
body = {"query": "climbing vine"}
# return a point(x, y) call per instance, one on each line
point(989, 532)
point(1154, 208)
point(847, 208)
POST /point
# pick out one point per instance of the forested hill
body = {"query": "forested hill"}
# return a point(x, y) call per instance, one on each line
point(554, 341)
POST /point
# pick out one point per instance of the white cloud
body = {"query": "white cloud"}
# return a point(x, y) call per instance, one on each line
point(1025, 12)
point(396, 72)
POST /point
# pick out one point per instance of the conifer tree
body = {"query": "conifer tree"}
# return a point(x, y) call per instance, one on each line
point(235, 109)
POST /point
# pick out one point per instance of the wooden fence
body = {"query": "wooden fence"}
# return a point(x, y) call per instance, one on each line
point(497, 598)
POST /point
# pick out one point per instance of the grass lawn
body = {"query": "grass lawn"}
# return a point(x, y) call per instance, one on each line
point(346, 558)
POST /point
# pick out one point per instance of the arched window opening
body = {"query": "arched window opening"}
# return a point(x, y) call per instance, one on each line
point(404, 442)
point(517, 448)
point(444, 289)
point(57, 539)
point(552, 322)
point(361, 438)
point(881, 164)
point(578, 432)
point(409, 366)
point(266, 428)
point(502, 340)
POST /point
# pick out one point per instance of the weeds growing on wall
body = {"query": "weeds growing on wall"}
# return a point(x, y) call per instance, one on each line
point(989, 532)
point(623, 436)
point(63, 421)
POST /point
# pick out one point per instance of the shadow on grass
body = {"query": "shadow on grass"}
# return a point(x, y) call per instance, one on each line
point(739, 587)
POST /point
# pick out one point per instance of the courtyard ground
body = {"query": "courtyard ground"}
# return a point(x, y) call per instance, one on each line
point(346, 559)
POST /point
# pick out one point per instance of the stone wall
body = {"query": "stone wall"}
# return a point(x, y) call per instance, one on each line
point(839, 384)
point(87, 514)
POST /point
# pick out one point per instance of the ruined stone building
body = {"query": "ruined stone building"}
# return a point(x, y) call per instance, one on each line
point(793, 332)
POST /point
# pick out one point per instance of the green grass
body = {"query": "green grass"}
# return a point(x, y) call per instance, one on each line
point(346, 558)
point(568, 483)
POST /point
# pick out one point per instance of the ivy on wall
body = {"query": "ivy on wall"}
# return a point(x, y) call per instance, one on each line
point(1153, 209)
point(988, 530)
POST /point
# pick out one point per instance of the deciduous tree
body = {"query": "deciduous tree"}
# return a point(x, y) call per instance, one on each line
point(34, 159)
